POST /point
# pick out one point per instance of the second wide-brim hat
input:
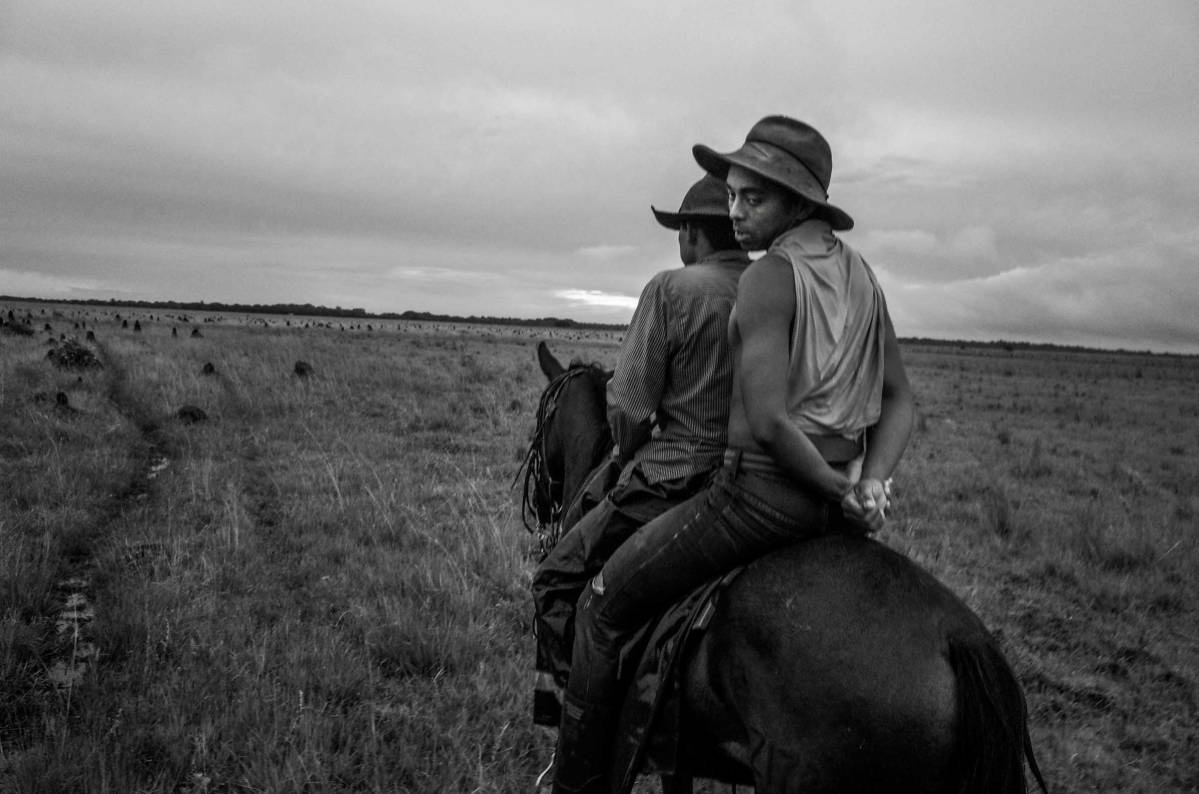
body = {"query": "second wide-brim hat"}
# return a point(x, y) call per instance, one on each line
point(787, 152)
point(707, 199)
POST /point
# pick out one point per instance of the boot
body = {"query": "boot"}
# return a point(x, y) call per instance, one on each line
point(547, 701)
point(583, 758)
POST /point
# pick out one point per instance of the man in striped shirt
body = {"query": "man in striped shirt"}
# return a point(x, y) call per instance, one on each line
point(668, 408)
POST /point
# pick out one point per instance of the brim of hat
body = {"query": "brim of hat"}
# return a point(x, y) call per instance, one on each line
point(673, 220)
point(718, 165)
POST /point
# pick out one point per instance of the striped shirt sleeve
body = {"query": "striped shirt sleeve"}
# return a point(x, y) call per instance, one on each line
point(637, 383)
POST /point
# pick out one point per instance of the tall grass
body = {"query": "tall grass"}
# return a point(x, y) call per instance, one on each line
point(1072, 535)
point(326, 586)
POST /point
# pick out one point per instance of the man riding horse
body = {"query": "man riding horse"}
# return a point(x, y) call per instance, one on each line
point(668, 405)
point(821, 412)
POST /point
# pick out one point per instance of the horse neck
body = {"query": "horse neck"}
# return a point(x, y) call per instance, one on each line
point(582, 430)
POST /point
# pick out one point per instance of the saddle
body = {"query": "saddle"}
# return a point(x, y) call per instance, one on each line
point(648, 731)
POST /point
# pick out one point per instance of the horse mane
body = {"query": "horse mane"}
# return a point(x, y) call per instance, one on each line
point(538, 500)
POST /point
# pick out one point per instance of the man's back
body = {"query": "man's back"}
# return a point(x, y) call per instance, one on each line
point(668, 403)
point(675, 364)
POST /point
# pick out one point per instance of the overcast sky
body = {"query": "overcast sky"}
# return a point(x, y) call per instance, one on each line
point(1018, 170)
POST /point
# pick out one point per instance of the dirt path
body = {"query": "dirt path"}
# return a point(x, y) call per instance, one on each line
point(74, 652)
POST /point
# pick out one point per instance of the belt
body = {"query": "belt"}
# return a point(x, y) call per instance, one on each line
point(762, 465)
point(837, 451)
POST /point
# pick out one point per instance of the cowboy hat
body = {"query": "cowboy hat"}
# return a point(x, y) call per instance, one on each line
point(787, 152)
point(706, 200)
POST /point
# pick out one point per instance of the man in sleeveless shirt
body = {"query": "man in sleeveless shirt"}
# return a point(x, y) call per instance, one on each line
point(821, 412)
point(668, 406)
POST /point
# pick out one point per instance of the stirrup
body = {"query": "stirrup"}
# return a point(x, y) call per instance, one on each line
point(546, 778)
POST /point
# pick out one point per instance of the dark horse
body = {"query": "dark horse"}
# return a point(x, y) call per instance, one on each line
point(834, 665)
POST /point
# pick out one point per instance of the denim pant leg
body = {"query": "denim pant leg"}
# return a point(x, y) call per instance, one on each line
point(737, 519)
point(563, 574)
point(579, 555)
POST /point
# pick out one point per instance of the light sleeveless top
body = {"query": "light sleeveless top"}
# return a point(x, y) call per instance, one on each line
point(835, 383)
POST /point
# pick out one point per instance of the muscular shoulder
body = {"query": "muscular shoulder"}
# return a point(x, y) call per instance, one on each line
point(766, 293)
point(771, 273)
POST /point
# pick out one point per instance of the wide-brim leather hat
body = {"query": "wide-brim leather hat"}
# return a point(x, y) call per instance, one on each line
point(706, 200)
point(787, 152)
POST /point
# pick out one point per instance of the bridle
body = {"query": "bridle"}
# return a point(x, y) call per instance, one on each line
point(541, 499)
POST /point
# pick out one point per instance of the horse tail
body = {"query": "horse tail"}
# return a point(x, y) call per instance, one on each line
point(992, 737)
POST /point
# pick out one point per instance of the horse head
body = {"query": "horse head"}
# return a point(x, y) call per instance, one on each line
point(570, 436)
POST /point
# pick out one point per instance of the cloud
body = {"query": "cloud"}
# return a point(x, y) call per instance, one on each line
point(443, 275)
point(595, 298)
point(923, 254)
point(481, 158)
point(23, 283)
point(606, 252)
point(1139, 298)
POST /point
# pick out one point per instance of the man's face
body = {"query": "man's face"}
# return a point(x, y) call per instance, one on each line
point(759, 209)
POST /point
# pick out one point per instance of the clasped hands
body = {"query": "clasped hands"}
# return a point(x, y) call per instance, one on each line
point(865, 503)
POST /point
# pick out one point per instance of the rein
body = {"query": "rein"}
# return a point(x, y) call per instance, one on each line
point(537, 500)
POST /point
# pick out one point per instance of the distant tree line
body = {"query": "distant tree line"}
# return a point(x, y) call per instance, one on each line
point(310, 310)
point(1013, 346)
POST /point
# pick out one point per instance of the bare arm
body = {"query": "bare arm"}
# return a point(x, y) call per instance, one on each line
point(765, 311)
point(887, 439)
point(865, 505)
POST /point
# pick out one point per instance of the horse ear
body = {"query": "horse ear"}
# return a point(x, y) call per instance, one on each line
point(549, 365)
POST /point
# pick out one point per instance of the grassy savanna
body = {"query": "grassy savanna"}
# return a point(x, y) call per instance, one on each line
point(326, 586)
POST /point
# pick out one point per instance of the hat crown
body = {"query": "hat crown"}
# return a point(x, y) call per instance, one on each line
point(707, 199)
point(799, 140)
point(787, 152)
point(708, 196)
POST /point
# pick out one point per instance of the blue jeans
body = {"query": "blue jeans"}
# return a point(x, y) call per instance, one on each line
point(745, 512)
point(582, 552)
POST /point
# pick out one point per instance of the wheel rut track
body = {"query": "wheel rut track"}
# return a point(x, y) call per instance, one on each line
point(73, 652)
point(264, 505)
